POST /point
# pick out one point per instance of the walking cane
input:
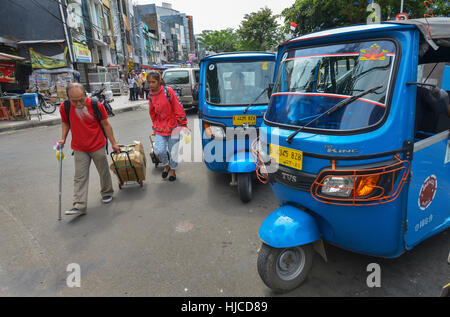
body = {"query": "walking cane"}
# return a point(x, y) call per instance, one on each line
point(60, 158)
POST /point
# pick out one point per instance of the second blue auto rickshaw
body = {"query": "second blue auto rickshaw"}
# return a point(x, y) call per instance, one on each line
point(357, 149)
point(232, 101)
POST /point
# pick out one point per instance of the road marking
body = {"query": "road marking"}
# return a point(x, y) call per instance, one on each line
point(184, 227)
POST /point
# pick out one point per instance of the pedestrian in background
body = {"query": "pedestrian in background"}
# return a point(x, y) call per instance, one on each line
point(169, 119)
point(140, 85)
point(146, 87)
point(136, 86)
point(131, 86)
point(88, 144)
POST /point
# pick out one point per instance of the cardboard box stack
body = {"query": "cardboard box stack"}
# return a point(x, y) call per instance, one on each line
point(138, 160)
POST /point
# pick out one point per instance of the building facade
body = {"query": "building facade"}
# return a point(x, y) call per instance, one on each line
point(89, 35)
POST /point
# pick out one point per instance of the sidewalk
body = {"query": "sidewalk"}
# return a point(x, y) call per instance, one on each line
point(120, 104)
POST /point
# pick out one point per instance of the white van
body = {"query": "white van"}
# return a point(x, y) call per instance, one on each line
point(185, 82)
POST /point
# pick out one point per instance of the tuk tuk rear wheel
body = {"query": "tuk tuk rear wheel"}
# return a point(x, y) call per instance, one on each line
point(244, 183)
point(283, 270)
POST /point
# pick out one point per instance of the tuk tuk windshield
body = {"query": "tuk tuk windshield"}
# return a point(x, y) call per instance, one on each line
point(238, 83)
point(312, 80)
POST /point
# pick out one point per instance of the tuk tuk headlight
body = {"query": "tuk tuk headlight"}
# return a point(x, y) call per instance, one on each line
point(338, 186)
point(213, 131)
point(370, 184)
point(344, 186)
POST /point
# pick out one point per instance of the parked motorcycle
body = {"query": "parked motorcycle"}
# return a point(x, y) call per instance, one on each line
point(44, 102)
point(100, 95)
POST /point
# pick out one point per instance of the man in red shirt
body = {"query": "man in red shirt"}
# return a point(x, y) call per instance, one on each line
point(88, 143)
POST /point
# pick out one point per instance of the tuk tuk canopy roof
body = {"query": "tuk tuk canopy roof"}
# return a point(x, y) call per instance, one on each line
point(432, 29)
point(239, 55)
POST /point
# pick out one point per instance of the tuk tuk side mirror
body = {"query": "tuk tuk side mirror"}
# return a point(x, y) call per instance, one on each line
point(269, 90)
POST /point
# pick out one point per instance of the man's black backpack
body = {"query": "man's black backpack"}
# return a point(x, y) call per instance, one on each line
point(98, 115)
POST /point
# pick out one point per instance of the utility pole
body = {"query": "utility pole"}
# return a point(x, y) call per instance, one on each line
point(123, 34)
point(69, 44)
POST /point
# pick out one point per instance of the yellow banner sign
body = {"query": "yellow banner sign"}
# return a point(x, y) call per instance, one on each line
point(41, 61)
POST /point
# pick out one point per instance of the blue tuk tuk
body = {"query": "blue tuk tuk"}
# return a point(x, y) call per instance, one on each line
point(232, 100)
point(357, 149)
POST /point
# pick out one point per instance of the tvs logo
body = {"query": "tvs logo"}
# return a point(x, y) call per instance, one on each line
point(427, 192)
point(374, 53)
point(289, 177)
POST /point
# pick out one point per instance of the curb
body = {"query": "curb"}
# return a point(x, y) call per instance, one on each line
point(50, 122)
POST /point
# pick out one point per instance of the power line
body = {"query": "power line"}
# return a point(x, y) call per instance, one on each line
point(80, 16)
point(59, 19)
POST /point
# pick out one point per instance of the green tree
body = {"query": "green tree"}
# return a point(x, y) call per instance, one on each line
point(316, 15)
point(259, 31)
point(220, 40)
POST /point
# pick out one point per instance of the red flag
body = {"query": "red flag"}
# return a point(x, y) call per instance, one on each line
point(293, 26)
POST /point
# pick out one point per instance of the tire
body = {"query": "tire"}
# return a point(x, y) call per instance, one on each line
point(244, 184)
point(277, 271)
point(47, 106)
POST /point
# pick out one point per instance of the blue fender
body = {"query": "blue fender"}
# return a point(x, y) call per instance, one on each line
point(241, 162)
point(288, 227)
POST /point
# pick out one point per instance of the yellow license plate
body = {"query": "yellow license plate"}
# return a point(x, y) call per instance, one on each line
point(243, 119)
point(287, 156)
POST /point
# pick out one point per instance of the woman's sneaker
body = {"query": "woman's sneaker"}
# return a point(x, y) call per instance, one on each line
point(107, 199)
point(75, 211)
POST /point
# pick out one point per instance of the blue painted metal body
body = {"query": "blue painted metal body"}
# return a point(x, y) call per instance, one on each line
point(241, 162)
point(230, 155)
point(385, 230)
point(289, 227)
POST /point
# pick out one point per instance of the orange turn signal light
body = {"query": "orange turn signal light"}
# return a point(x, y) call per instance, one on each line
point(366, 185)
point(207, 128)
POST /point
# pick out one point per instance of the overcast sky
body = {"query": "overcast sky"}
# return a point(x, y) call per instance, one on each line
point(221, 14)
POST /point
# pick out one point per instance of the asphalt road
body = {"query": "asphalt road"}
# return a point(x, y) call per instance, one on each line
point(192, 237)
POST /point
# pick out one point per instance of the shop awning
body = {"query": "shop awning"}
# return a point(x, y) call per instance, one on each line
point(40, 41)
point(8, 57)
point(56, 70)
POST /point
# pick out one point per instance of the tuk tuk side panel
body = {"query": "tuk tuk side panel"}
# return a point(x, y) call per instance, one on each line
point(428, 194)
point(371, 230)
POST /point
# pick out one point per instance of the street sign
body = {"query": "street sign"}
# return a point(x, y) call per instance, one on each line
point(375, 13)
point(401, 16)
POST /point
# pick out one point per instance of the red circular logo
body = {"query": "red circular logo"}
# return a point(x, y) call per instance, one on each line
point(427, 192)
point(401, 16)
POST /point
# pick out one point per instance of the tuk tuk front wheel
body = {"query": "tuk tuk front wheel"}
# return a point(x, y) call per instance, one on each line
point(244, 184)
point(283, 270)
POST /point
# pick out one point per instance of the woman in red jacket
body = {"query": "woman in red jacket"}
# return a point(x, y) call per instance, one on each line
point(168, 118)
